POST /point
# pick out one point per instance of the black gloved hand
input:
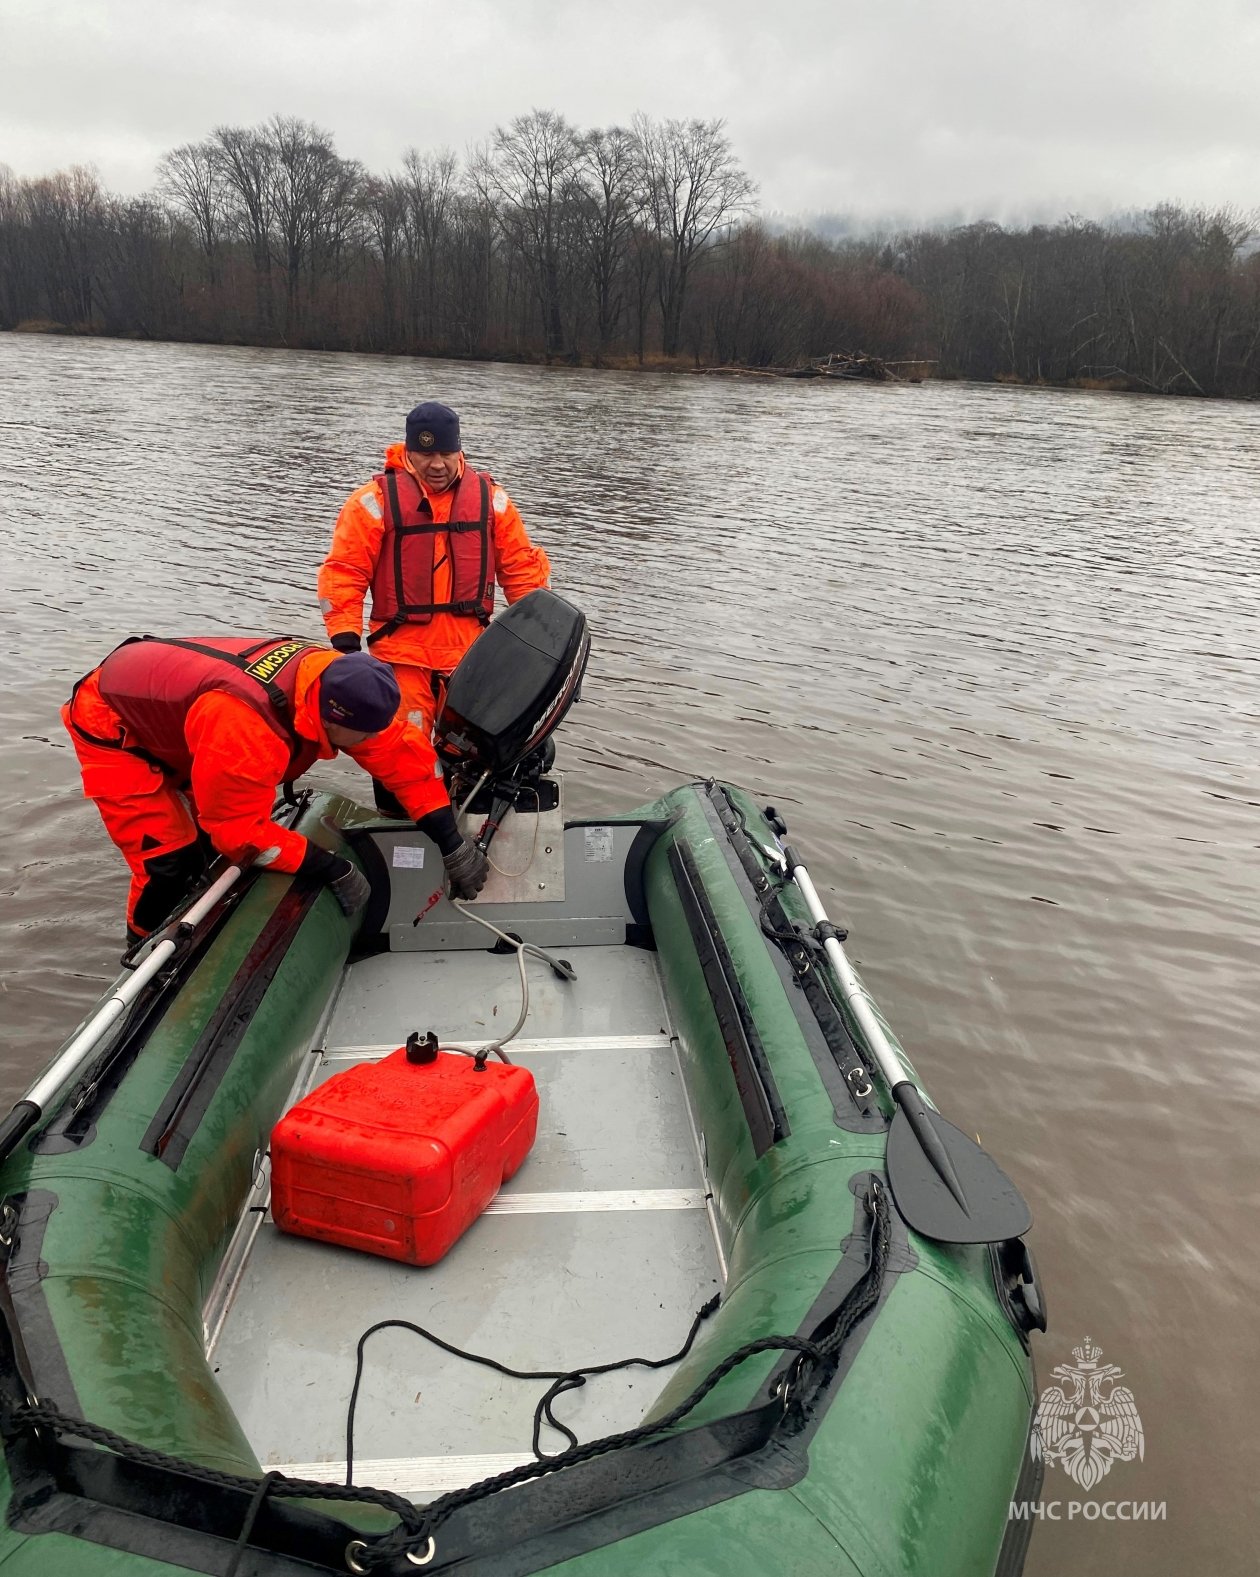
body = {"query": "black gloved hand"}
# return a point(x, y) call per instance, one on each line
point(347, 641)
point(343, 880)
point(467, 867)
point(351, 889)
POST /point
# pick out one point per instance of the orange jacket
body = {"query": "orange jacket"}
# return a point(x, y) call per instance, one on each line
point(239, 761)
point(346, 574)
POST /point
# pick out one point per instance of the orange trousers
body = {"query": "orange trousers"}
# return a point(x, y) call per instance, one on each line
point(151, 823)
point(420, 704)
point(422, 690)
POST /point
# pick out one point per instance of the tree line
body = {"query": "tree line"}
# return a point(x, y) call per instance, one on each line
point(616, 245)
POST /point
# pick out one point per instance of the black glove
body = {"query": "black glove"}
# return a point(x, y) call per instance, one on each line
point(347, 641)
point(343, 880)
point(351, 889)
point(467, 867)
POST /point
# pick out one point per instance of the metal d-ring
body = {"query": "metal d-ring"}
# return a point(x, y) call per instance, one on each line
point(353, 1563)
point(787, 1382)
point(33, 1401)
point(430, 1550)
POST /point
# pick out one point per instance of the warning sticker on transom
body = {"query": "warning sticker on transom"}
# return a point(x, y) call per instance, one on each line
point(408, 857)
point(597, 844)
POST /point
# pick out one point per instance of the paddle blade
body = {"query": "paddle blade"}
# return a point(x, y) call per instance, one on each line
point(992, 1208)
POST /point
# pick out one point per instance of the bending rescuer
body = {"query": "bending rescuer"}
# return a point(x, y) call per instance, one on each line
point(427, 538)
point(183, 744)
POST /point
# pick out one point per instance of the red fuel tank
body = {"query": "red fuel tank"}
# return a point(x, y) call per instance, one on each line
point(399, 1158)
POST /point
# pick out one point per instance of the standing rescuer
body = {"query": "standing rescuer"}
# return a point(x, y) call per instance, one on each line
point(428, 538)
point(183, 744)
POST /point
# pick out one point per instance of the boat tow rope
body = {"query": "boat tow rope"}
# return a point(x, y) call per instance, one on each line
point(419, 1547)
point(564, 1379)
point(414, 1539)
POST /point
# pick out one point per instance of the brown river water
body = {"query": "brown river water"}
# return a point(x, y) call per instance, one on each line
point(993, 652)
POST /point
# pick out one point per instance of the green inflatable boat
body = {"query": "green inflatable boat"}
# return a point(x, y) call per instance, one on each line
point(731, 1316)
point(749, 1304)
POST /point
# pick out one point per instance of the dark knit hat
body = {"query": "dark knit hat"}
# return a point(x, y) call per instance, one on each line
point(433, 429)
point(359, 692)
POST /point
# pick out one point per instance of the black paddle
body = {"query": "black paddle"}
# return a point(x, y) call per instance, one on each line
point(945, 1186)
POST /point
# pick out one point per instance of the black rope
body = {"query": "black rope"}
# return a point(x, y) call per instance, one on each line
point(810, 941)
point(737, 810)
point(43, 1415)
point(565, 1379)
point(857, 1303)
point(774, 885)
point(786, 939)
point(251, 1516)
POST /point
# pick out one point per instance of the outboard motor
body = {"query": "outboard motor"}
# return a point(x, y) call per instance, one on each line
point(511, 689)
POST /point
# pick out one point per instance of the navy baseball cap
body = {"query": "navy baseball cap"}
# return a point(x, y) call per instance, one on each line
point(433, 429)
point(359, 692)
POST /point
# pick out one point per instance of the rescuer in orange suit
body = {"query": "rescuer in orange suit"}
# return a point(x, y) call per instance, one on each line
point(428, 537)
point(183, 743)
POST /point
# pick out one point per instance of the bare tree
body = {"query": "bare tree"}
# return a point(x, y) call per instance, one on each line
point(17, 279)
point(693, 185)
point(383, 204)
point(66, 216)
point(473, 237)
point(428, 188)
point(191, 177)
point(312, 192)
point(246, 160)
point(745, 323)
point(336, 233)
point(610, 201)
point(138, 292)
point(529, 175)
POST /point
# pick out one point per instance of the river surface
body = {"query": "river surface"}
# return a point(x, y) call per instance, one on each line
point(994, 654)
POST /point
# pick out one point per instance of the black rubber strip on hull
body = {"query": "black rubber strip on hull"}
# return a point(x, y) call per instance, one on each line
point(758, 1094)
point(178, 1117)
point(840, 1065)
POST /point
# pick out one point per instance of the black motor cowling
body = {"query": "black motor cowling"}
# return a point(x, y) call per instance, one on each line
point(513, 685)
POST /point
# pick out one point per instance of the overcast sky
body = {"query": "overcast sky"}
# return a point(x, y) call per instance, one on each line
point(920, 109)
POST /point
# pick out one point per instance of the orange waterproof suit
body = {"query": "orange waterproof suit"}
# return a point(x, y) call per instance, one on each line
point(162, 799)
point(419, 648)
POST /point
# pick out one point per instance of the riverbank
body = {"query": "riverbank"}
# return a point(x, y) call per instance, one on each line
point(912, 371)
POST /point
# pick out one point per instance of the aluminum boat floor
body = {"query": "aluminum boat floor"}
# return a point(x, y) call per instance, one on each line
point(599, 1248)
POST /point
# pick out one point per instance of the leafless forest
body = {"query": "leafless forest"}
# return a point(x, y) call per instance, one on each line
point(622, 246)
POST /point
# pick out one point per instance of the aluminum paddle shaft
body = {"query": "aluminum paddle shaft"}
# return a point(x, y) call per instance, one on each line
point(855, 997)
point(32, 1106)
point(945, 1186)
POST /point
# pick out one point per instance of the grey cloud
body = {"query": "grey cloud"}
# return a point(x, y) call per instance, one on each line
point(904, 106)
